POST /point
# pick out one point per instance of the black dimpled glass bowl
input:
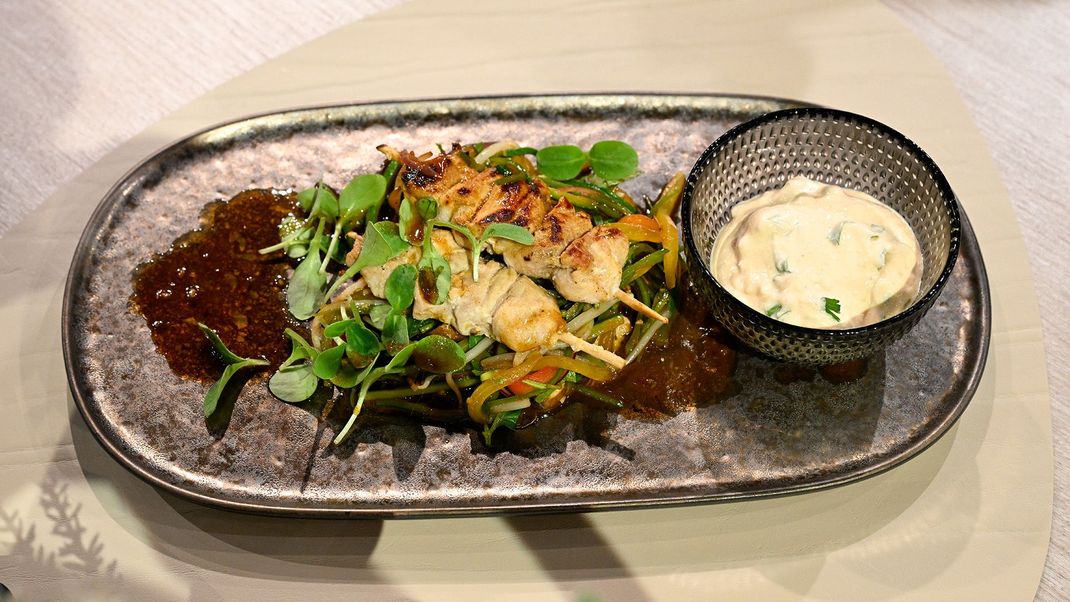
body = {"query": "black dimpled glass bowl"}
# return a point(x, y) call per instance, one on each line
point(834, 147)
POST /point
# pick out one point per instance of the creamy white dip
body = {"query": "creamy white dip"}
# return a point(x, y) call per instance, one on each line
point(819, 256)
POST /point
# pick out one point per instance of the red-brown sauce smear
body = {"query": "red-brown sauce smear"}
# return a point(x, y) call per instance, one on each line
point(695, 366)
point(216, 276)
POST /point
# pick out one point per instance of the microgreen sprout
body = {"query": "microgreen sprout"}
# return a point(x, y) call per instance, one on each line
point(233, 362)
point(295, 380)
point(381, 244)
point(610, 160)
point(511, 232)
point(506, 419)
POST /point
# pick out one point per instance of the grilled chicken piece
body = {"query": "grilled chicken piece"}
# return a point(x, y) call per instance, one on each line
point(585, 264)
point(447, 246)
point(562, 225)
point(509, 307)
point(430, 177)
point(504, 305)
point(527, 318)
point(473, 303)
point(591, 266)
point(469, 197)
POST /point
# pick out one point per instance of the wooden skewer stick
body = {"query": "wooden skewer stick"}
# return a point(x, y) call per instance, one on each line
point(601, 353)
point(627, 299)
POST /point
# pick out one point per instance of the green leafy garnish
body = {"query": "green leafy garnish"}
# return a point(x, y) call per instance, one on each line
point(336, 329)
point(506, 419)
point(427, 207)
point(328, 362)
point(306, 198)
point(319, 201)
point(360, 341)
point(400, 286)
point(368, 378)
point(438, 354)
point(234, 363)
point(832, 307)
point(507, 231)
point(381, 244)
point(295, 382)
point(305, 291)
point(377, 315)
point(774, 310)
point(435, 273)
point(511, 232)
point(400, 291)
point(613, 160)
point(395, 331)
point(361, 194)
point(562, 162)
point(294, 236)
point(410, 224)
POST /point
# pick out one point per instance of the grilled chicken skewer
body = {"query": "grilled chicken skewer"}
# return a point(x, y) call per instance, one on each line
point(583, 261)
point(503, 304)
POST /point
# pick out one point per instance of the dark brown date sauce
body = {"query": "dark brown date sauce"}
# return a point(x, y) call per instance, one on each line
point(215, 275)
point(695, 366)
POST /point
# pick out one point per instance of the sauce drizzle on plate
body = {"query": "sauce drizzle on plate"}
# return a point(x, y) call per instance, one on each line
point(216, 276)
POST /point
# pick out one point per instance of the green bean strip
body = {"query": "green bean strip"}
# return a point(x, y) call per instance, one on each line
point(577, 201)
point(661, 302)
point(589, 316)
point(603, 203)
point(636, 250)
point(598, 396)
point(391, 170)
point(574, 310)
point(646, 292)
point(640, 267)
point(513, 166)
point(516, 177)
point(661, 338)
point(617, 199)
point(606, 325)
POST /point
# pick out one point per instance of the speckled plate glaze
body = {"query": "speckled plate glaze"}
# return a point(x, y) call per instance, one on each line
point(766, 439)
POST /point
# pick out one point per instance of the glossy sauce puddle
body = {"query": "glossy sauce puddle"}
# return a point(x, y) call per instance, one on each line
point(216, 276)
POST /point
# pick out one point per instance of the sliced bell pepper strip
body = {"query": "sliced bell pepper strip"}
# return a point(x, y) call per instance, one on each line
point(544, 375)
point(502, 378)
point(670, 194)
point(670, 241)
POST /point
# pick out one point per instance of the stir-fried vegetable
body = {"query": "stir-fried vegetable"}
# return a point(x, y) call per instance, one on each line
point(373, 351)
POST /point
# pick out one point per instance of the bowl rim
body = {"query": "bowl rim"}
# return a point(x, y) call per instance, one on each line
point(918, 307)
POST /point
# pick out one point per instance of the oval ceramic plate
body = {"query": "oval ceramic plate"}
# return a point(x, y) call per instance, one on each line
point(768, 438)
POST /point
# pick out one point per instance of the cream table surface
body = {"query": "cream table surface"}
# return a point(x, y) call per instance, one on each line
point(969, 517)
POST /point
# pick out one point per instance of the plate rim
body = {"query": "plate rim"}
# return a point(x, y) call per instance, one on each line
point(81, 257)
